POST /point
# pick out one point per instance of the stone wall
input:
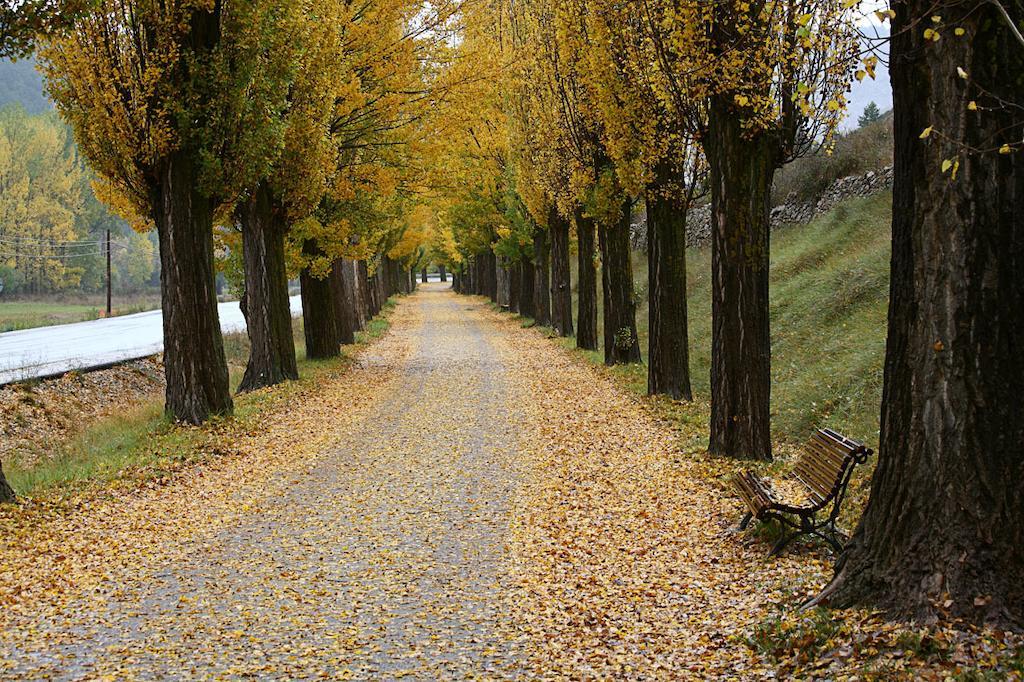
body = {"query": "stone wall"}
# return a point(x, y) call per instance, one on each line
point(698, 224)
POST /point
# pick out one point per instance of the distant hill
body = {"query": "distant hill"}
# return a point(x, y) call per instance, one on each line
point(20, 82)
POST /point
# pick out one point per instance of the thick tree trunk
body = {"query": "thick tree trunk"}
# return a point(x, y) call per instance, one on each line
point(443, 273)
point(341, 296)
point(526, 303)
point(423, 277)
point(621, 342)
point(943, 532)
point(741, 179)
point(668, 356)
point(194, 364)
point(358, 273)
point(383, 287)
point(541, 278)
point(6, 492)
point(515, 274)
point(490, 275)
point(265, 301)
point(319, 314)
point(586, 317)
point(372, 296)
point(561, 285)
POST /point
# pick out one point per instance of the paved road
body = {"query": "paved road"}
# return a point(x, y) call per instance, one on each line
point(47, 351)
point(382, 558)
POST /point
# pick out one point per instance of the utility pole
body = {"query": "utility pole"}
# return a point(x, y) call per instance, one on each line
point(109, 311)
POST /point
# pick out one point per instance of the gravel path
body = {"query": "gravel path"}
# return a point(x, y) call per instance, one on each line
point(383, 558)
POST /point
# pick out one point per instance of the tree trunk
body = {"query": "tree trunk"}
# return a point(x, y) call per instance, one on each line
point(6, 492)
point(741, 170)
point(341, 295)
point(358, 273)
point(621, 343)
point(526, 285)
point(561, 286)
point(194, 364)
point(515, 274)
point(319, 314)
point(490, 275)
point(443, 273)
point(383, 284)
point(586, 318)
point(943, 532)
point(541, 278)
point(423, 277)
point(372, 297)
point(668, 356)
point(265, 302)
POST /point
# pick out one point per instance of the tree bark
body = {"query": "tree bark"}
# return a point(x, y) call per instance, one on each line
point(423, 277)
point(372, 297)
point(341, 295)
point(443, 273)
point(383, 284)
point(515, 274)
point(194, 364)
point(943, 532)
point(6, 492)
point(358, 274)
point(526, 273)
point(561, 286)
point(621, 342)
point(668, 369)
point(541, 278)
point(319, 313)
point(586, 317)
point(265, 302)
point(741, 170)
point(490, 275)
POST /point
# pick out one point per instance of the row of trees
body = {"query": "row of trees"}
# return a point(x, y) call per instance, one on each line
point(277, 133)
point(602, 103)
point(596, 105)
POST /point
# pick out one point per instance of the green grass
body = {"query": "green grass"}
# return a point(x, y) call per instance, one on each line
point(143, 441)
point(829, 300)
point(29, 314)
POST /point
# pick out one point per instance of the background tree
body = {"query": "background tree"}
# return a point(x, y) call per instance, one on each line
point(40, 196)
point(870, 115)
point(942, 533)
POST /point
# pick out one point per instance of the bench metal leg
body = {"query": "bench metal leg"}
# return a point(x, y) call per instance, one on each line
point(746, 521)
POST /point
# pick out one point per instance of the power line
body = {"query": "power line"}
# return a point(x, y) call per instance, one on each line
point(65, 256)
point(26, 241)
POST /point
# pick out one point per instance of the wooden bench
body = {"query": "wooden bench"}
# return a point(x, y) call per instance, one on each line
point(820, 477)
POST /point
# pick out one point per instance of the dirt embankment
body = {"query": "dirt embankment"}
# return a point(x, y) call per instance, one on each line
point(36, 416)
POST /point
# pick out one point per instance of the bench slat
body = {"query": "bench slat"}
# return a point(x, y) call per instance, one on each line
point(827, 457)
point(814, 479)
point(826, 470)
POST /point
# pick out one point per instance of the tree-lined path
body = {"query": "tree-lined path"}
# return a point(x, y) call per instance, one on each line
point(451, 506)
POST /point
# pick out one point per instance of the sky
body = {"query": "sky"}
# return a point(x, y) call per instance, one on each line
point(878, 90)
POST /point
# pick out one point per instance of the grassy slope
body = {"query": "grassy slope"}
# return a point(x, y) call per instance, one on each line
point(143, 441)
point(829, 296)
